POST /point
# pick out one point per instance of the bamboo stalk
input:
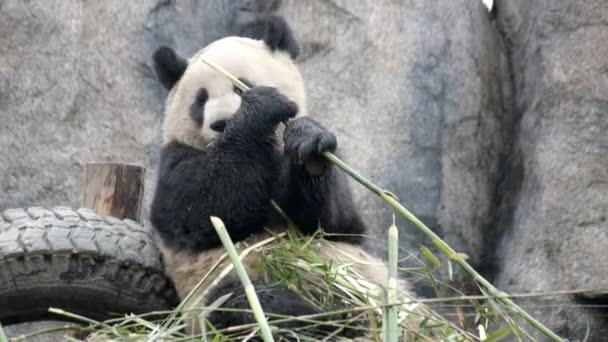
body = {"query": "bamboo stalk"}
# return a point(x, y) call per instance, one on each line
point(3, 337)
point(242, 86)
point(444, 247)
point(384, 322)
point(77, 317)
point(252, 297)
point(437, 241)
point(392, 330)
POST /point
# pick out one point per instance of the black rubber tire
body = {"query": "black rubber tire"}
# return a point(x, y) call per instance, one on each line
point(80, 262)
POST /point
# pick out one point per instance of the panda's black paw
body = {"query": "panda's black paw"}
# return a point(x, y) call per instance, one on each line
point(305, 142)
point(269, 104)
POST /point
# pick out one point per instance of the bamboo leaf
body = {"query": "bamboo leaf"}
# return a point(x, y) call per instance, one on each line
point(459, 256)
point(498, 334)
point(430, 257)
point(202, 317)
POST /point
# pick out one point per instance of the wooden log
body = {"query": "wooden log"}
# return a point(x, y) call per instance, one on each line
point(114, 189)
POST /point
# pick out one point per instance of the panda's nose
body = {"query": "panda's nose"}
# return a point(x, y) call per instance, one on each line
point(218, 126)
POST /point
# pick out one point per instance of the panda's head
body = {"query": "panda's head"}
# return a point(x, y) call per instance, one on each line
point(201, 99)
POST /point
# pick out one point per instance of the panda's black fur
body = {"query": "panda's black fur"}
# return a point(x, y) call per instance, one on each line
point(275, 32)
point(243, 171)
point(236, 177)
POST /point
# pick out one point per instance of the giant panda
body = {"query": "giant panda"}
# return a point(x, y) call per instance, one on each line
point(225, 153)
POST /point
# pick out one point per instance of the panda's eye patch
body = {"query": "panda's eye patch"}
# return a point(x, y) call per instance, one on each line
point(237, 90)
point(202, 96)
point(197, 109)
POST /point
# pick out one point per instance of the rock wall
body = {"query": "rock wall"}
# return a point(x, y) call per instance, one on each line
point(556, 200)
point(496, 138)
point(76, 86)
point(418, 98)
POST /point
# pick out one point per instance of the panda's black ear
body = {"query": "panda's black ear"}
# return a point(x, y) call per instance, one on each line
point(168, 66)
point(275, 32)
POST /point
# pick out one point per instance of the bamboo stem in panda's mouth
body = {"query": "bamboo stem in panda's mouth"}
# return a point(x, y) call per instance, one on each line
point(237, 83)
point(393, 201)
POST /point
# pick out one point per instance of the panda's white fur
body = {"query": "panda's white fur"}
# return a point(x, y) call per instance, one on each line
point(187, 269)
point(261, 63)
point(238, 56)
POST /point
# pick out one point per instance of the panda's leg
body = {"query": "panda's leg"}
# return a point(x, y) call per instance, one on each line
point(274, 299)
point(315, 193)
point(233, 179)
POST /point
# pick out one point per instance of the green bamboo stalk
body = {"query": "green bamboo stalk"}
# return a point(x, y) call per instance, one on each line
point(3, 337)
point(437, 241)
point(77, 317)
point(392, 330)
point(444, 247)
point(384, 316)
point(238, 83)
point(254, 302)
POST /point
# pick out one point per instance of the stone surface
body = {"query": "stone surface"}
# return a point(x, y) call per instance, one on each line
point(416, 95)
point(76, 86)
point(556, 206)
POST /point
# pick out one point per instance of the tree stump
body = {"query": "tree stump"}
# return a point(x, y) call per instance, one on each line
point(113, 189)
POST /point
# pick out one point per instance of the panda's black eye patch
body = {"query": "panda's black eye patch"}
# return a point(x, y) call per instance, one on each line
point(202, 96)
point(238, 91)
point(197, 109)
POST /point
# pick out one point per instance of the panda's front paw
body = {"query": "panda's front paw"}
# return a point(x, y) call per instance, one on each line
point(305, 142)
point(270, 104)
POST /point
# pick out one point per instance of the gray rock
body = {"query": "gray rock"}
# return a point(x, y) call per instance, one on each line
point(554, 212)
point(76, 86)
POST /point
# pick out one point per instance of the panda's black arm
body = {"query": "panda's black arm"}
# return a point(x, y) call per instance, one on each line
point(325, 201)
point(232, 179)
point(315, 193)
point(194, 185)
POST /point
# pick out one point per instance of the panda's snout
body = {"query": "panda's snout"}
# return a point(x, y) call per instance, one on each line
point(219, 126)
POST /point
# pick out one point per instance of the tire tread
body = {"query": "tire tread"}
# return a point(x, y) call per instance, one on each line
point(78, 249)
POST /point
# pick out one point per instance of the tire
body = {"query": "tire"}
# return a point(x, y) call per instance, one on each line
point(80, 262)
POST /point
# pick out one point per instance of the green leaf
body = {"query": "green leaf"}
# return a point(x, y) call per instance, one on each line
point(459, 256)
point(430, 257)
point(502, 294)
point(498, 334)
